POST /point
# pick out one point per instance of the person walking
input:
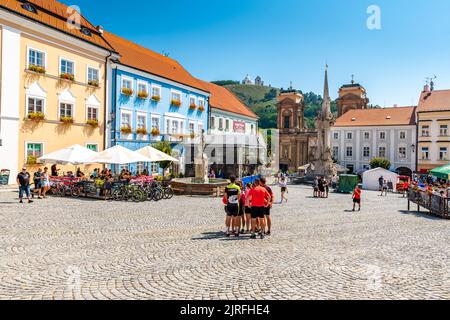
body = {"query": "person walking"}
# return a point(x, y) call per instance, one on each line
point(268, 206)
point(357, 198)
point(384, 189)
point(284, 190)
point(23, 181)
point(37, 179)
point(259, 198)
point(380, 183)
point(316, 187)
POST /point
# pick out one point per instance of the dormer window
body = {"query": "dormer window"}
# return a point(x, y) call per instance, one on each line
point(353, 119)
point(388, 118)
point(29, 7)
point(86, 31)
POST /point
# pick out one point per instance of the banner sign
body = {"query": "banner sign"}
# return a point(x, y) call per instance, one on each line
point(239, 126)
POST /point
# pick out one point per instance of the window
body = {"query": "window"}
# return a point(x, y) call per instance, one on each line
point(443, 130)
point(35, 105)
point(155, 123)
point(351, 168)
point(336, 135)
point(92, 113)
point(366, 135)
point(141, 121)
point(287, 122)
point(402, 153)
point(140, 166)
point(213, 122)
point(154, 167)
point(382, 135)
point(227, 125)
point(443, 154)
point(176, 96)
point(366, 152)
point(425, 153)
point(167, 126)
point(125, 120)
point(402, 135)
point(174, 126)
point(35, 150)
point(65, 110)
point(349, 136)
point(192, 101)
point(67, 67)
point(382, 152)
point(29, 7)
point(92, 75)
point(191, 128)
point(86, 31)
point(335, 153)
point(93, 147)
point(201, 103)
point(252, 129)
point(349, 152)
point(200, 128)
point(127, 84)
point(220, 124)
point(36, 58)
point(425, 131)
point(156, 91)
point(142, 87)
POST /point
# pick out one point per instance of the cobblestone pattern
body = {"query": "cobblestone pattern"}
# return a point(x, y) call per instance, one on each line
point(79, 249)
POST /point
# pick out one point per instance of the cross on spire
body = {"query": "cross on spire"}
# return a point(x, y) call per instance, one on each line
point(353, 79)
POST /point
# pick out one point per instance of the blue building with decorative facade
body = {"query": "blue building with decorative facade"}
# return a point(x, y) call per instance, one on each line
point(152, 98)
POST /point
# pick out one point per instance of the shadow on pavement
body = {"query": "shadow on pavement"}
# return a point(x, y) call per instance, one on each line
point(420, 215)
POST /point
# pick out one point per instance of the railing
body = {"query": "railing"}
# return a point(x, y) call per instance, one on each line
point(434, 203)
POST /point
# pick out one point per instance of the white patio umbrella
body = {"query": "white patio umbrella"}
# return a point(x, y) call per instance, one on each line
point(75, 155)
point(118, 155)
point(155, 155)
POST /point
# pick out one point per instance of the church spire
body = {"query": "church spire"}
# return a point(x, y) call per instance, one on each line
point(326, 106)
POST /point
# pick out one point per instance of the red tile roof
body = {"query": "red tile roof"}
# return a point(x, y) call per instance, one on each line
point(437, 100)
point(54, 14)
point(223, 99)
point(398, 116)
point(138, 57)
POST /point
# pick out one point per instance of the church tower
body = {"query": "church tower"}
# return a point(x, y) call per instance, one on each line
point(291, 108)
point(351, 96)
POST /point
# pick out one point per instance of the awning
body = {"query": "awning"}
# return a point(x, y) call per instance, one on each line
point(442, 172)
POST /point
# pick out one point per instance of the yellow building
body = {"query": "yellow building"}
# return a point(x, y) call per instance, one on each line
point(433, 121)
point(53, 81)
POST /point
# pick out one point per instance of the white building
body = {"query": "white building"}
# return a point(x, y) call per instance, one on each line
point(358, 136)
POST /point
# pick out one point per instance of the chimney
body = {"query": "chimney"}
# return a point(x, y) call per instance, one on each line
point(395, 105)
point(100, 29)
point(426, 88)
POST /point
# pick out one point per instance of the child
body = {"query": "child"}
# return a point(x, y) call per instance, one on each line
point(357, 198)
point(283, 185)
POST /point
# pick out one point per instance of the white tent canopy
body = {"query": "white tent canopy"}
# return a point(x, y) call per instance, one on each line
point(155, 155)
point(118, 155)
point(371, 178)
point(75, 155)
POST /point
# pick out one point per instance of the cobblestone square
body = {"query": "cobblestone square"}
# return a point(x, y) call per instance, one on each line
point(175, 249)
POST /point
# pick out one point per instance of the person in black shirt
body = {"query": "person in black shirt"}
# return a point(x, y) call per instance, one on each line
point(37, 177)
point(23, 181)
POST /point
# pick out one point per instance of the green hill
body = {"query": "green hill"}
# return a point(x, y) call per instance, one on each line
point(262, 100)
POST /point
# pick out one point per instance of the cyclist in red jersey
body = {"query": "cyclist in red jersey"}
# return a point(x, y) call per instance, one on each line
point(259, 199)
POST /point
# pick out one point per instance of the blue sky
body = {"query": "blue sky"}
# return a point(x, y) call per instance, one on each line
point(290, 40)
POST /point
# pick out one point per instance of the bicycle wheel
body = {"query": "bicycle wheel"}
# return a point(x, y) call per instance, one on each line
point(158, 194)
point(168, 193)
point(75, 192)
point(137, 196)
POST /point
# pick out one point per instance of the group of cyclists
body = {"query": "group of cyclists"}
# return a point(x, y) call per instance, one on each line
point(248, 208)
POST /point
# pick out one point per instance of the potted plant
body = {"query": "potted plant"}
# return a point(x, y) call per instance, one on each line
point(94, 83)
point(141, 131)
point(37, 69)
point(126, 129)
point(128, 92)
point(36, 116)
point(142, 95)
point(92, 123)
point(192, 135)
point(67, 76)
point(176, 103)
point(66, 120)
point(201, 108)
point(31, 160)
point(156, 98)
point(192, 106)
point(155, 132)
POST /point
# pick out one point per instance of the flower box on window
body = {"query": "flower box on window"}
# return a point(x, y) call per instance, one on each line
point(201, 108)
point(141, 131)
point(66, 120)
point(142, 95)
point(36, 116)
point(155, 132)
point(92, 123)
point(156, 98)
point(94, 83)
point(126, 130)
point(67, 76)
point(128, 92)
point(192, 107)
point(192, 135)
point(176, 103)
point(37, 69)
point(31, 160)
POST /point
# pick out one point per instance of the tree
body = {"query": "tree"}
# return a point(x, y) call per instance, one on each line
point(165, 147)
point(380, 163)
